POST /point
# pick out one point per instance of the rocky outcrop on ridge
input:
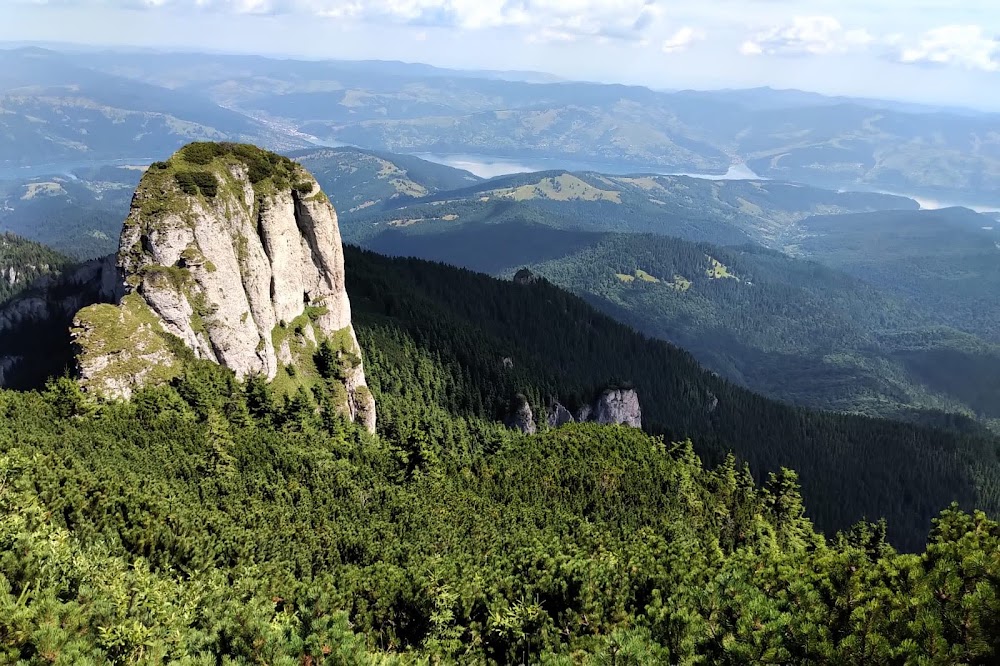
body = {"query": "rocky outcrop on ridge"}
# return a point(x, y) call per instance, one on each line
point(614, 406)
point(521, 417)
point(230, 254)
point(559, 415)
point(619, 407)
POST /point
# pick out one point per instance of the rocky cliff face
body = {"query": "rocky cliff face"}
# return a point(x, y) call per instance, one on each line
point(559, 416)
point(612, 407)
point(61, 296)
point(230, 254)
point(618, 406)
point(521, 418)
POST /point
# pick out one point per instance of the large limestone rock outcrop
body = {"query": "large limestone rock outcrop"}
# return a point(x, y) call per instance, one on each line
point(614, 406)
point(230, 254)
point(618, 407)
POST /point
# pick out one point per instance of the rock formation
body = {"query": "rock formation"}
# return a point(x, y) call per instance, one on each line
point(614, 406)
point(61, 296)
point(713, 403)
point(521, 418)
point(559, 416)
point(618, 406)
point(229, 254)
point(525, 277)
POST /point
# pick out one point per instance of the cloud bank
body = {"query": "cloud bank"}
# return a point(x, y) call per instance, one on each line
point(966, 46)
point(889, 30)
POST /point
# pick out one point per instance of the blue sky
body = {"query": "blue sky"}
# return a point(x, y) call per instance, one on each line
point(941, 51)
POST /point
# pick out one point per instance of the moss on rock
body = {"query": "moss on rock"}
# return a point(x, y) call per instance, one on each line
point(120, 347)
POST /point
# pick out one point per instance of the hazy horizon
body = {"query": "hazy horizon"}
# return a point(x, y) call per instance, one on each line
point(532, 76)
point(927, 51)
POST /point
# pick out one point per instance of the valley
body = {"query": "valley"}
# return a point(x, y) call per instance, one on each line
point(833, 316)
point(311, 361)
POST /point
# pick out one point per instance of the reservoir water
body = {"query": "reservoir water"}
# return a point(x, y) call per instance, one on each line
point(486, 166)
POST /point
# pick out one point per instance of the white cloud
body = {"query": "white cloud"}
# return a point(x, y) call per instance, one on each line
point(682, 39)
point(965, 46)
point(807, 35)
point(544, 20)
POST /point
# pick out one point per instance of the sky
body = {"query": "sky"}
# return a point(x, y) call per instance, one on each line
point(936, 51)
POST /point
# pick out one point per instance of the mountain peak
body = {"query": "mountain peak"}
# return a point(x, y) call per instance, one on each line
point(230, 254)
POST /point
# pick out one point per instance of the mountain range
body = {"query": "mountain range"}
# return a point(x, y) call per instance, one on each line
point(231, 256)
point(818, 302)
point(96, 104)
point(718, 384)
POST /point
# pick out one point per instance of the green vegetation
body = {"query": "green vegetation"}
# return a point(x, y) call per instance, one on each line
point(197, 182)
point(790, 328)
point(82, 222)
point(564, 187)
point(129, 331)
point(266, 170)
point(206, 182)
point(718, 271)
point(360, 180)
point(646, 277)
point(946, 263)
point(262, 165)
point(851, 467)
point(214, 521)
point(697, 210)
point(22, 262)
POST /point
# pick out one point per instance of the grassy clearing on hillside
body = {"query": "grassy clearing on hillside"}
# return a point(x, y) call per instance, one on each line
point(565, 187)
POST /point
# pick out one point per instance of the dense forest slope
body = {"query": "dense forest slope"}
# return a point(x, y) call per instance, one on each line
point(786, 327)
point(560, 347)
point(212, 520)
point(945, 261)
point(789, 327)
point(78, 212)
point(496, 339)
point(22, 262)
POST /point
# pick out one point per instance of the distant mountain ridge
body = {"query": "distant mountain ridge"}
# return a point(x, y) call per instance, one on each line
point(839, 143)
point(890, 359)
point(58, 109)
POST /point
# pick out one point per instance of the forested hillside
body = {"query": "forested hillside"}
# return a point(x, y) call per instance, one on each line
point(788, 328)
point(945, 261)
point(696, 209)
point(79, 214)
point(851, 467)
point(212, 522)
point(361, 180)
point(22, 262)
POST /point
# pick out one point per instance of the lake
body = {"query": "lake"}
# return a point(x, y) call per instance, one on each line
point(486, 166)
